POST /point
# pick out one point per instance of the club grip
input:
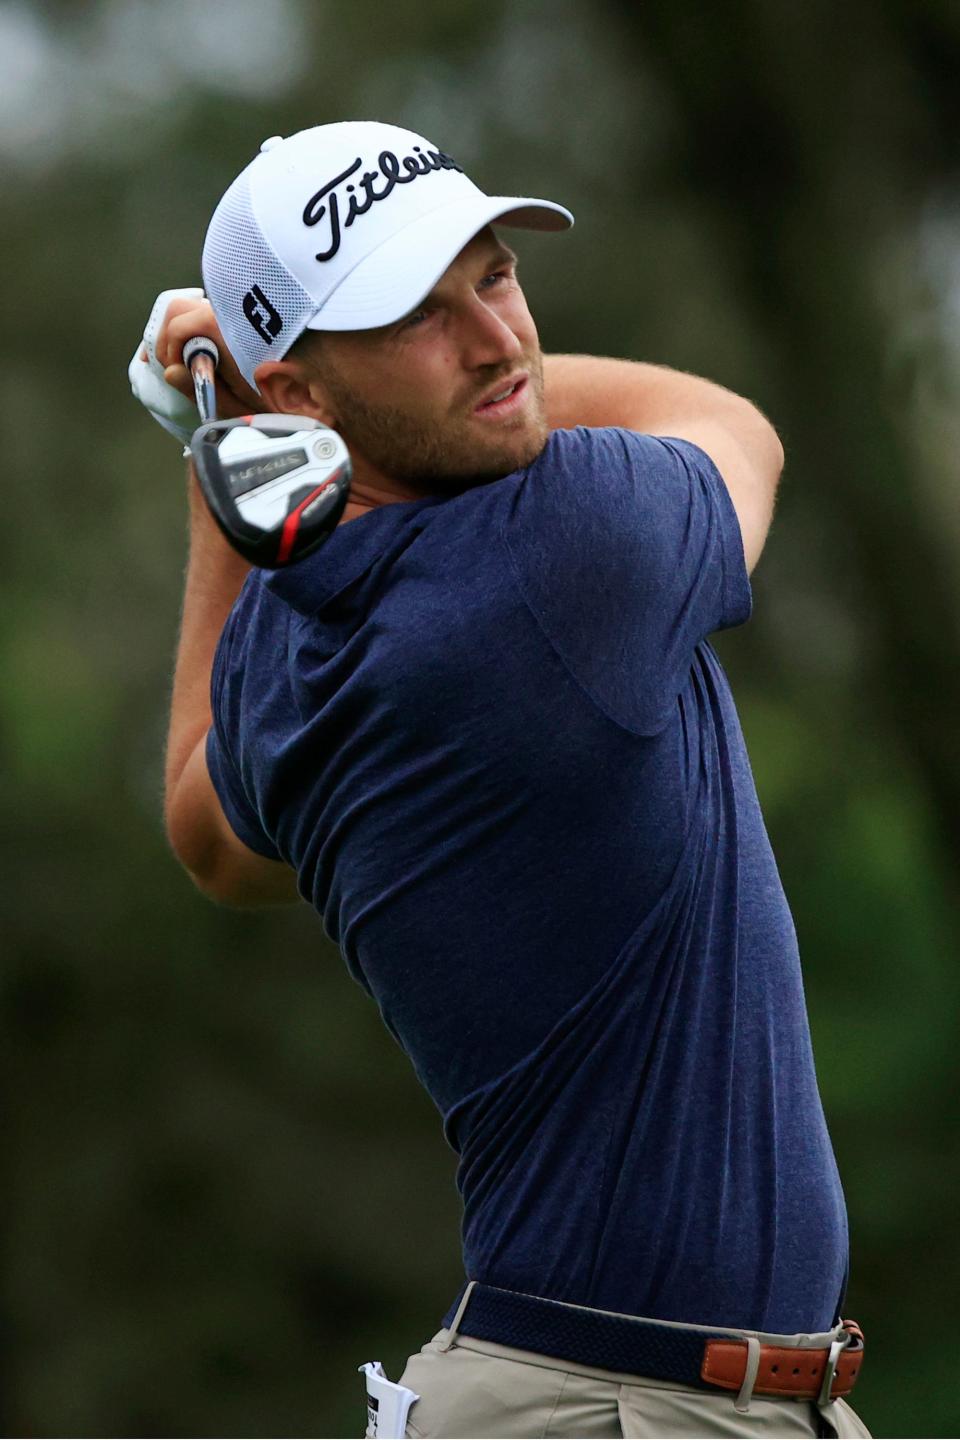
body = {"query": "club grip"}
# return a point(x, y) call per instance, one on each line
point(201, 357)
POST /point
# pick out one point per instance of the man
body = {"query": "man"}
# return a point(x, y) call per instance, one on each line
point(482, 731)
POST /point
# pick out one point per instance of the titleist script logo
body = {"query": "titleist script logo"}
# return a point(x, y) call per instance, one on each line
point(392, 171)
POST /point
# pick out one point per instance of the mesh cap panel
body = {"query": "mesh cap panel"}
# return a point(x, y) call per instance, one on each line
point(260, 307)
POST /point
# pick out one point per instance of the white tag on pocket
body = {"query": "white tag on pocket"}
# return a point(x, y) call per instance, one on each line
point(388, 1404)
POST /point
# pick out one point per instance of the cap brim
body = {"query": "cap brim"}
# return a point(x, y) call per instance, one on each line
point(388, 283)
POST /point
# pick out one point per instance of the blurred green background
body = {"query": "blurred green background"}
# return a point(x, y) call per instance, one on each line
point(222, 1188)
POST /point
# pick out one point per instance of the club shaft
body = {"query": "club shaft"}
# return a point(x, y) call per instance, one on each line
point(201, 357)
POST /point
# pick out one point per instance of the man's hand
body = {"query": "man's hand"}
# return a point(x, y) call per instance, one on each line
point(194, 316)
point(177, 415)
point(161, 381)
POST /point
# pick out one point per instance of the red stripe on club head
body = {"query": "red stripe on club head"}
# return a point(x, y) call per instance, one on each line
point(292, 524)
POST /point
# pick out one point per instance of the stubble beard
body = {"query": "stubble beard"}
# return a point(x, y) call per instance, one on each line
point(440, 457)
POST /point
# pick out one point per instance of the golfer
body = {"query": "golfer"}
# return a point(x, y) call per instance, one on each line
point(483, 732)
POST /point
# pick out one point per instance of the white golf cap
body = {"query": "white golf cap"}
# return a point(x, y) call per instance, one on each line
point(342, 227)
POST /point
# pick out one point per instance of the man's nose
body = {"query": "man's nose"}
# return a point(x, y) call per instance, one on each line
point(487, 338)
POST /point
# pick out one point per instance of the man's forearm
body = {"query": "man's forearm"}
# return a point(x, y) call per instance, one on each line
point(594, 390)
point(215, 574)
point(199, 832)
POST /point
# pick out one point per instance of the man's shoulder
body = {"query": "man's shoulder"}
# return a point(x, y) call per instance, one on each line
point(586, 447)
point(592, 472)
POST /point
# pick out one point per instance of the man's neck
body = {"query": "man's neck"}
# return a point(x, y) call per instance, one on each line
point(370, 488)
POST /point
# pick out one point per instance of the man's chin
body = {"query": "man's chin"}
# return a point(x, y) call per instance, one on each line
point(476, 470)
point(442, 460)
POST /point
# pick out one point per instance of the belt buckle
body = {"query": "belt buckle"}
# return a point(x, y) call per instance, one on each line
point(837, 1348)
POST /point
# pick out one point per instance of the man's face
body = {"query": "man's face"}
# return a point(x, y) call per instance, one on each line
point(450, 396)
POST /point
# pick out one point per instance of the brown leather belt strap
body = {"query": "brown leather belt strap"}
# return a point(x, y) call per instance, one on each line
point(785, 1370)
point(818, 1368)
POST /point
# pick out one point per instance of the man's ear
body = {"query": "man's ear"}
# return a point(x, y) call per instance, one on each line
point(288, 389)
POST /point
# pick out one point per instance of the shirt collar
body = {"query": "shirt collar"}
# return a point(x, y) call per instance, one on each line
point(353, 547)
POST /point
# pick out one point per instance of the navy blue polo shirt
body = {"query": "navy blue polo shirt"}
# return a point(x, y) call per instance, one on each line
point(491, 737)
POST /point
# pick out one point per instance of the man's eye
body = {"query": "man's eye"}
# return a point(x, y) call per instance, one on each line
point(417, 318)
point(490, 280)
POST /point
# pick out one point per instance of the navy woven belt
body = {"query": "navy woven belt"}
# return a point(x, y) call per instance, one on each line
point(585, 1337)
point(687, 1355)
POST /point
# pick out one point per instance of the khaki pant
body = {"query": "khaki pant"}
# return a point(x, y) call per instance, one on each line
point(483, 1391)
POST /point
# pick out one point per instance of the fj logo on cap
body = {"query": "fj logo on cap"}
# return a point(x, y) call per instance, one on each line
point(261, 314)
point(392, 172)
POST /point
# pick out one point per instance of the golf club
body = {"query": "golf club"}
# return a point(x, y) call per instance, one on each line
point(276, 485)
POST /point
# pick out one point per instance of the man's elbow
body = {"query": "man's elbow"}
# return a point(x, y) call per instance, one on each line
point(217, 861)
point(196, 850)
point(759, 442)
point(226, 872)
point(775, 450)
point(213, 881)
point(220, 877)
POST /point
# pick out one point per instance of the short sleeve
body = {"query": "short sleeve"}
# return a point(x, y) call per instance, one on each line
point(628, 551)
point(224, 772)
